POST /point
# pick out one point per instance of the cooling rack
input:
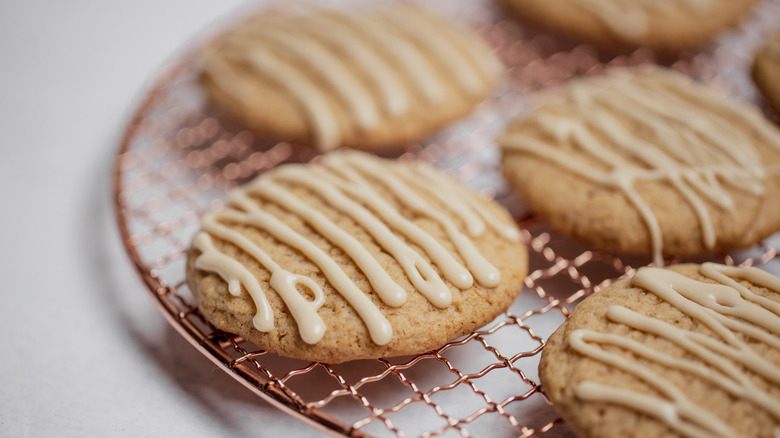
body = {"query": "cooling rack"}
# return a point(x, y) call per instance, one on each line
point(179, 157)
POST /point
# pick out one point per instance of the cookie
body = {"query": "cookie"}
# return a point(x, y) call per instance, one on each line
point(662, 25)
point(766, 69)
point(355, 257)
point(647, 161)
point(692, 350)
point(364, 78)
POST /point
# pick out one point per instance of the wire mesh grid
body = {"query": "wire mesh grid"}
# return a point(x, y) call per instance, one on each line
point(179, 157)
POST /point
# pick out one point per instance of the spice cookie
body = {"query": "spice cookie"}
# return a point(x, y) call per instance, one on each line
point(766, 69)
point(367, 78)
point(662, 25)
point(693, 350)
point(646, 160)
point(355, 257)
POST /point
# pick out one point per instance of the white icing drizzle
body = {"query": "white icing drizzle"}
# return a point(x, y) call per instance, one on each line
point(378, 326)
point(235, 274)
point(413, 65)
point(357, 188)
point(409, 22)
point(728, 309)
point(346, 41)
point(701, 141)
point(467, 207)
point(342, 182)
point(318, 59)
point(420, 273)
point(233, 82)
point(629, 18)
point(373, 63)
point(313, 100)
point(487, 274)
point(282, 281)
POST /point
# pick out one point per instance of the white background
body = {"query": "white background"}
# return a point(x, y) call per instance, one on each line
point(84, 350)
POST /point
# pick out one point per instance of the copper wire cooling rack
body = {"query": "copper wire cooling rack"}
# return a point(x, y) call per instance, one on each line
point(179, 157)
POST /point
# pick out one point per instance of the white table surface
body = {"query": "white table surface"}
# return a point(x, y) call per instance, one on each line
point(84, 350)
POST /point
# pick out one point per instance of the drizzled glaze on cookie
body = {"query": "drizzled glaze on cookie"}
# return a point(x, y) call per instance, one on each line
point(374, 63)
point(346, 183)
point(629, 18)
point(653, 124)
point(730, 311)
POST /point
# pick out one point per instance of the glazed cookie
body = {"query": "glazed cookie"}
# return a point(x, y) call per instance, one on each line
point(662, 25)
point(647, 161)
point(693, 350)
point(366, 78)
point(766, 69)
point(355, 257)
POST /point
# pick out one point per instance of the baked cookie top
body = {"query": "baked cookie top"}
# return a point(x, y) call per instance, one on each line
point(646, 160)
point(766, 69)
point(367, 78)
point(663, 25)
point(692, 350)
point(355, 257)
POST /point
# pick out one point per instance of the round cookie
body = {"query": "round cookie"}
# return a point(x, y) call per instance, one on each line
point(766, 69)
point(368, 78)
point(355, 257)
point(647, 161)
point(662, 25)
point(692, 350)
